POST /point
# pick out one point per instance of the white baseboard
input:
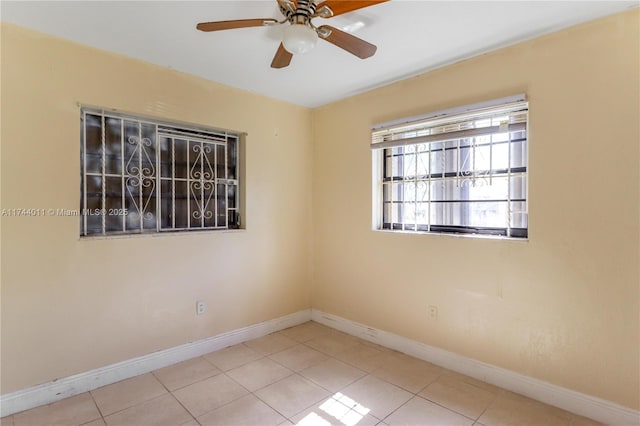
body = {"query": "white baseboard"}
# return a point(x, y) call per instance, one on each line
point(575, 402)
point(73, 385)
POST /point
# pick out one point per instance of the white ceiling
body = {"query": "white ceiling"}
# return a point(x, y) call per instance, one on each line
point(412, 37)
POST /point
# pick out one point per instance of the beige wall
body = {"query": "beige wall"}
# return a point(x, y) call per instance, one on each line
point(562, 307)
point(68, 305)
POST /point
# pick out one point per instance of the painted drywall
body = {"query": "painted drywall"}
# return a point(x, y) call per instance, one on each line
point(71, 305)
point(561, 307)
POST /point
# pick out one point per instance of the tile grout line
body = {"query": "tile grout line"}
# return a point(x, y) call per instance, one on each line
point(267, 404)
point(297, 373)
point(331, 392)
point(414, 394)
point(97, 407)
point(570, 418)
point(132, 406)
point(495, 398)
point(223, 405)
point(366, 373)
point(330, 357)
point(397, 408)
point(417, 394)
point(406, 390)
point(244, 387)
point(174, 397)
point(193, 383)
point(448, 408)
point(223, 372)
point(276, 410)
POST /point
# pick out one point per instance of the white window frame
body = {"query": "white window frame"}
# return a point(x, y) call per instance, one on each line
point(468, 124)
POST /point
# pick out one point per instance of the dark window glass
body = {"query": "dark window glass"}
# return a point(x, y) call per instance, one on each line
point(139, 176)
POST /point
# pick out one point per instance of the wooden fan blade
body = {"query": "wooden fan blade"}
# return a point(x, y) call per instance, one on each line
point(282, 58)
point(229, 25)
point(350, 43)
point(338, 7)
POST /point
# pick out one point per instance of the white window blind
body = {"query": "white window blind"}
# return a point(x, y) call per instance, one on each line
point(457, 171)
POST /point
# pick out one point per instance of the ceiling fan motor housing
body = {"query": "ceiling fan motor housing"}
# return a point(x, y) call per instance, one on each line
point(301, 14)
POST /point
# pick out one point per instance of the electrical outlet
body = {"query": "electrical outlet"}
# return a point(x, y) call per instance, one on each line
point(433, 312)
point(200, 307)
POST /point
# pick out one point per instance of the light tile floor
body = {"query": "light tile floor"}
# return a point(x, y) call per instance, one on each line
point(308, 375)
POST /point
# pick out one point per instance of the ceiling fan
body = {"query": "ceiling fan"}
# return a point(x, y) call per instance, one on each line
point(300, 36)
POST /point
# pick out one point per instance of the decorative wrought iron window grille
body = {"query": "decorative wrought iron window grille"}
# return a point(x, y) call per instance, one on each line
point(460, 171)
point(145, 176)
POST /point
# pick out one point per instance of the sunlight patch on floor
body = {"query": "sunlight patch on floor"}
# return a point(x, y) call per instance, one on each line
point(340, 407)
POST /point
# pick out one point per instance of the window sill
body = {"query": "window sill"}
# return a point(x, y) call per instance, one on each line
point(160, 234)
point(443, 234)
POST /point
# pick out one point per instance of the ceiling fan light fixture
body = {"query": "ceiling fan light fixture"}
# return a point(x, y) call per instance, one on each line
point(299, 38)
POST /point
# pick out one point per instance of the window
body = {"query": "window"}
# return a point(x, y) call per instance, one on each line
point(460, 171)
point(142, 176)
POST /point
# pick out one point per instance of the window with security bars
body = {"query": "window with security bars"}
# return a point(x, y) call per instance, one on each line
point(462, 172)
point(145, 176)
